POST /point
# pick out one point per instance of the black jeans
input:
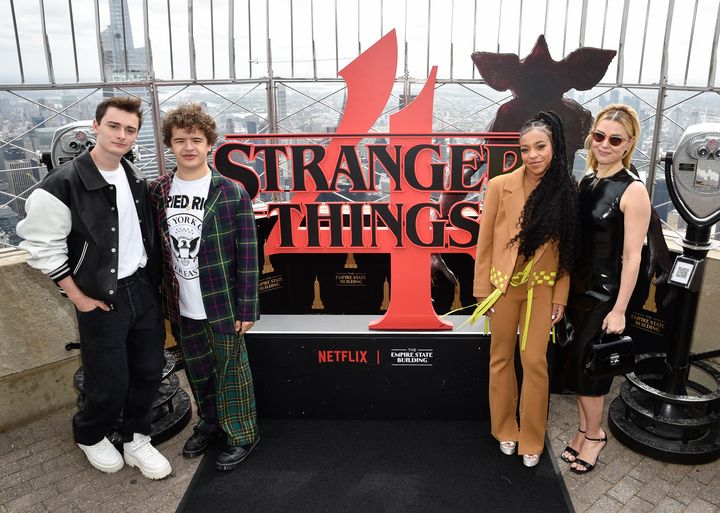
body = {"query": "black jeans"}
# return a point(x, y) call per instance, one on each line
point(122, 356)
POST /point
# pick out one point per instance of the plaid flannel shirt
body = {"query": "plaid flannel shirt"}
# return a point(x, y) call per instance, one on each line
point(227, 258)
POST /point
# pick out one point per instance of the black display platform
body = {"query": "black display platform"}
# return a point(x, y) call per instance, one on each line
point(318, 466)
point(334, 367)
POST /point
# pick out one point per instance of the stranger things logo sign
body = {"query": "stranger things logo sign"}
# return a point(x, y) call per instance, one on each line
point(408, 224)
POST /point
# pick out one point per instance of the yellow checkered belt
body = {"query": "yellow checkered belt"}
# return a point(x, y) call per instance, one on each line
point(499, 279)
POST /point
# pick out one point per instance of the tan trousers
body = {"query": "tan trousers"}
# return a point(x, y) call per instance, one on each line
point(509, 315)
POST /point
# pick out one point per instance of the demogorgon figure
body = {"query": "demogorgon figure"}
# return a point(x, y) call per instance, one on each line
point(537, 83)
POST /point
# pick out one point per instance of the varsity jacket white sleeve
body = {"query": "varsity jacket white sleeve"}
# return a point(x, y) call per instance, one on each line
point(45, 231)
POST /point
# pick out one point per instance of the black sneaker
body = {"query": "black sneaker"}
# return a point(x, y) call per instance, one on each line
point(233, 455)
point(198, 443)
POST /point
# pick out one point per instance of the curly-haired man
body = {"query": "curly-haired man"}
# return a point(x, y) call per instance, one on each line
point(210, 275)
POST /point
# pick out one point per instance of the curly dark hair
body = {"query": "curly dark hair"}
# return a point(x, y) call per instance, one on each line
point(551, 211)
point(190, 117)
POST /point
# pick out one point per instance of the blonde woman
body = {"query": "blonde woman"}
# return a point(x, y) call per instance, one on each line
point(614, 217)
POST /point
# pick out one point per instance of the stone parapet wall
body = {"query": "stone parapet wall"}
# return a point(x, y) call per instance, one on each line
point(35, 324)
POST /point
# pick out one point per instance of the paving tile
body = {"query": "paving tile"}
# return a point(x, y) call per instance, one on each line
point(701, 506)
point(179, 487)
point(711, 493)
point(40, 456)
point(615, 471)
point(637, 505)
point(625, 489)
point(612, 450)
point(31, 500)
point(82, 477)
point(88, 504)
point(654, 491)
point(12, 480)
point(631, 456)
point(31, 509)
point(67, 508)
point(77, 489)
point(162, 502)
point(687, 490)
point(580, 505)
point(60, 473)
point(41, 470)
point(674, 473)
point(646, 469)
point(14, 455)
point(18, 489)
point(668, 505)
point(605, 505)
point(705, 473)
point(573, 482)
point(593, 488)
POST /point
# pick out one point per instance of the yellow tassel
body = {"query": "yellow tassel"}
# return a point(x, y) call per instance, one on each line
point(458, 310)
point(528, 311)
point(483, 307)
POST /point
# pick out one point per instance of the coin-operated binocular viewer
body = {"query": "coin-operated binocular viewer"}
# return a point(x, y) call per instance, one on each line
point(71, 140)
point(663, 410)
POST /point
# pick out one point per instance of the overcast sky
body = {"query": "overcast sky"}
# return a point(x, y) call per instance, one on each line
point(456, 30)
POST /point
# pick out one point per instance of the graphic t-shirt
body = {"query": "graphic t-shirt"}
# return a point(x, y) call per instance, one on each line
point(131, 250)
point(186, 207)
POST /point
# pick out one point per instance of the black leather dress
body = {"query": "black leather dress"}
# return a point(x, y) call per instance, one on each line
point(595, 282)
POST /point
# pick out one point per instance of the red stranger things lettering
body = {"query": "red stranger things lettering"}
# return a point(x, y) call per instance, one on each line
point(457, 230)
point(410, 225)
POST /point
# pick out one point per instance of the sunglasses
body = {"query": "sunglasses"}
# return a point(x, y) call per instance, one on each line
point(615, 140)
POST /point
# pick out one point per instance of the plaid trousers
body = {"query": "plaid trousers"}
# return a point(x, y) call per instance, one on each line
point(218, 369)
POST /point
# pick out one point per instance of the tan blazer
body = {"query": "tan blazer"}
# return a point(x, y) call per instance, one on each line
point(495, 260)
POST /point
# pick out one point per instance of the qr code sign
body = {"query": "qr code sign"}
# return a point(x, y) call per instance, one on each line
point(682, 273)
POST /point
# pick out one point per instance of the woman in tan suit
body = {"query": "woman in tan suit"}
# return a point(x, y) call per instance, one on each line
point(526, 250)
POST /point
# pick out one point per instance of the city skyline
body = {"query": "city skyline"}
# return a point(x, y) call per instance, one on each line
point(313, 38)
point(299, 105)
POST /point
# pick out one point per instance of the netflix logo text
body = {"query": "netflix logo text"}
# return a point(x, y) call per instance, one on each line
point(342, 356)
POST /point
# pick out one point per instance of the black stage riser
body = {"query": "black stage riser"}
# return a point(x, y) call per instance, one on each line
point(376, 375)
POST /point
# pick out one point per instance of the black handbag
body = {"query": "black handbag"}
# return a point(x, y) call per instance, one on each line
point(613, 355)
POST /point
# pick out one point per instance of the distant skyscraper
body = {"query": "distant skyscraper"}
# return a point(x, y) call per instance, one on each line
point(122, 61)
point(22, 175)
point(281, 102)
point(633, 101)
point(229, 126)
point(8, 222)
point(4, 188)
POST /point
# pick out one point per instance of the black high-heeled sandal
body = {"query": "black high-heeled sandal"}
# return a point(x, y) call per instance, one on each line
point(572, 452)
point(589, 466)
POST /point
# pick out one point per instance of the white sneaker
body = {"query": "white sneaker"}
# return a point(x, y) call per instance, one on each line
point(508, 448)
point(141, 454)
point(103, 456)
point(530, 460)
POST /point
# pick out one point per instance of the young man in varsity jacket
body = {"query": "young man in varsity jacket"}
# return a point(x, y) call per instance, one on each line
point(89, 226)
point(210, 275)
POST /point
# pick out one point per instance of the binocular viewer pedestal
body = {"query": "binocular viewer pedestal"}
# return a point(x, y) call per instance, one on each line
point(663, 410)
